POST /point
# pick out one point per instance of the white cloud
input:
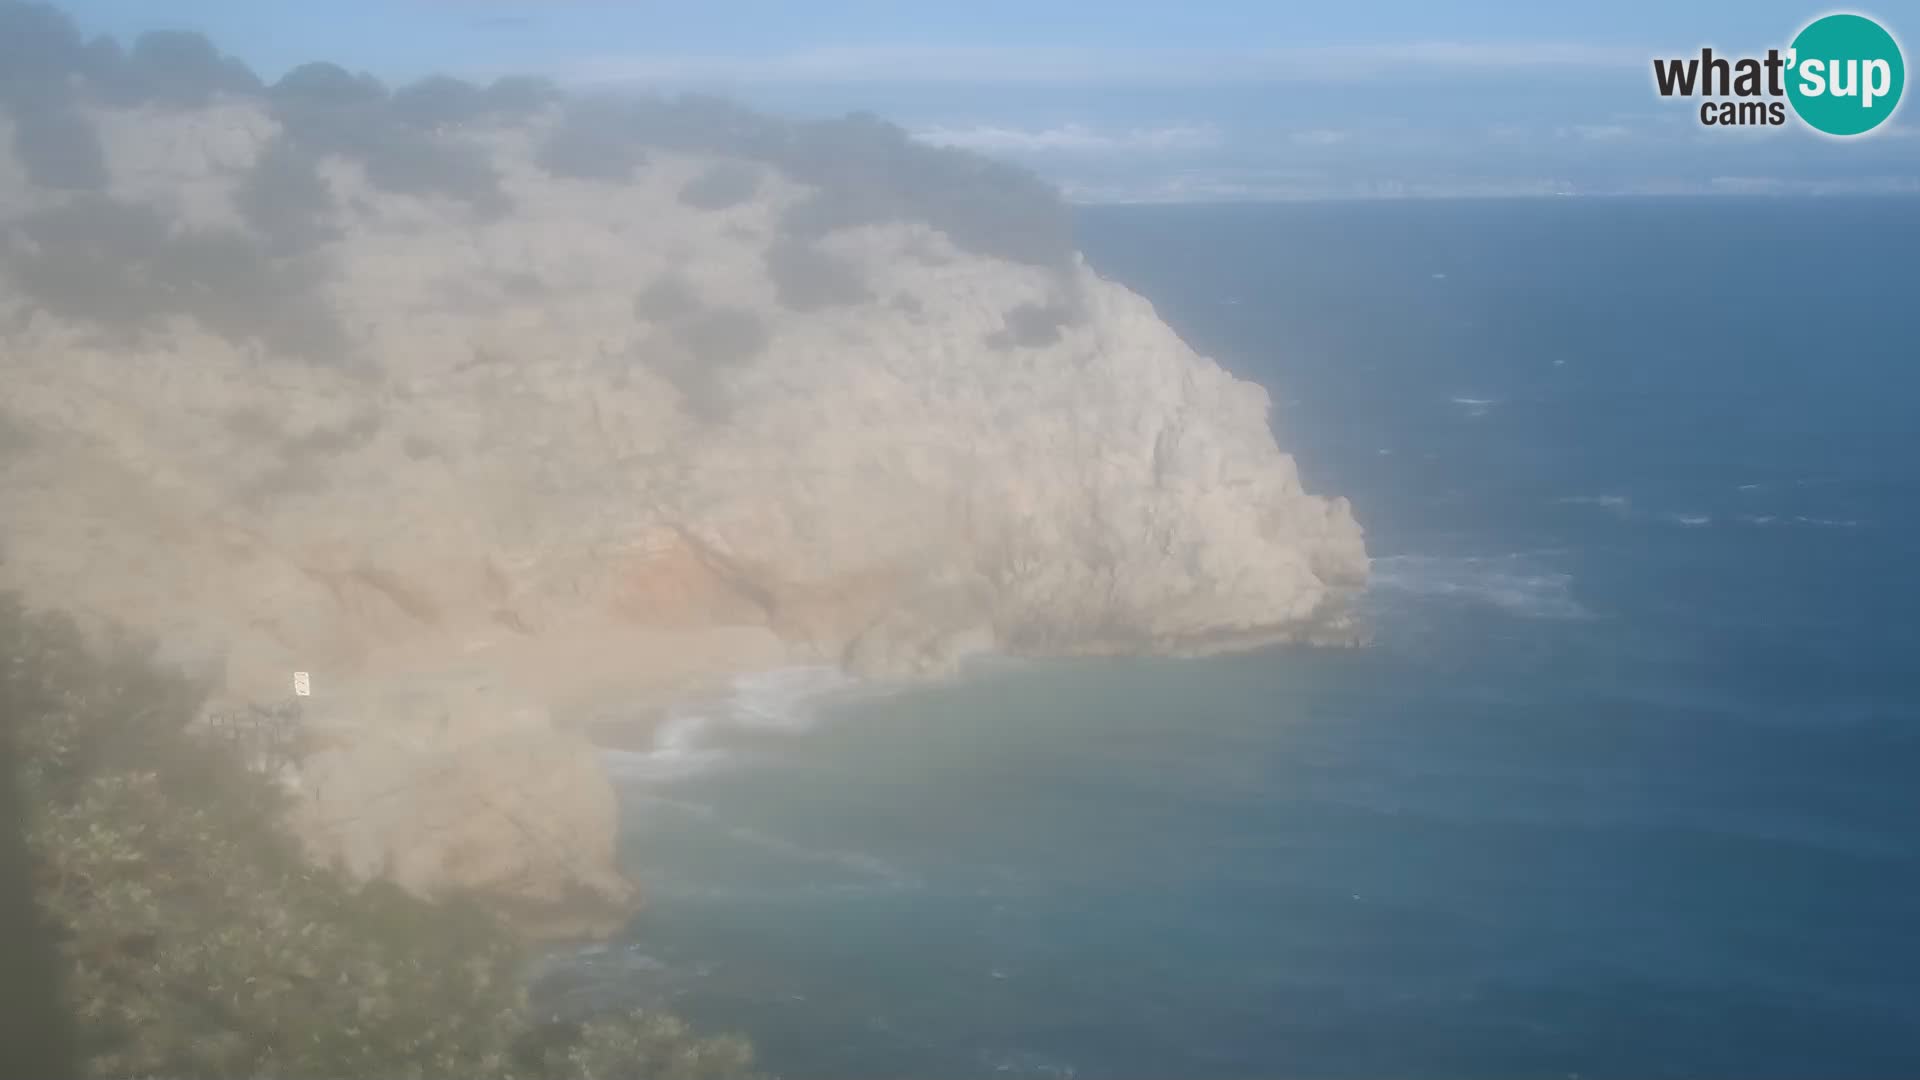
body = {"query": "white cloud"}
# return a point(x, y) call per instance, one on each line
point(1071, 139)
point(1596, 132)
point(1075, 66)
point(1320, 137)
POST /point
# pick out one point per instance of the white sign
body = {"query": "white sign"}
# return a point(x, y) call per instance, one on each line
point(301, 687)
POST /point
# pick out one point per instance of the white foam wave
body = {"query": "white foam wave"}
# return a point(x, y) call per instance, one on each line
point(784, 699)
point(781, 701)
point(1802, 521)
point(1619, 504)
point(1516, 584)
point(679, 750)
point(1622, 506)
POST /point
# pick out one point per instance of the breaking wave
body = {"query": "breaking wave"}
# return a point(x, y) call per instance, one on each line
point(1622, 506)
point(694, 736)
point(1619, 504)
point(1516, 584)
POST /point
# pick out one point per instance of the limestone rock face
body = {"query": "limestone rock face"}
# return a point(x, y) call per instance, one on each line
point(596, 442)
point(453, 784)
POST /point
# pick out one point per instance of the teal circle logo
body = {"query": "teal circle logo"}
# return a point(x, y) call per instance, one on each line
point(1845, 74)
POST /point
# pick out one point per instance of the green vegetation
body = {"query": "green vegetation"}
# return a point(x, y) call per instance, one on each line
point(808, 278)
point(438, 101)
point(126, 269)
point(587, 145)
point(669, 297)
point(721, 185)
point(1032, 326)
point(119, 266)
point(58, 146)
point(326, 110)
point(865, 171)
point(195, 941)
point(285, 199)
point(869, 172)
point(715, 342)
point(172, 68)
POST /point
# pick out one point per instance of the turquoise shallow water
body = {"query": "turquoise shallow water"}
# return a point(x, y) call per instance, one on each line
point(1625, 787)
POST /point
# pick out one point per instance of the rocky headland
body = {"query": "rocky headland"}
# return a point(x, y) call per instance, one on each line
point(490, 406)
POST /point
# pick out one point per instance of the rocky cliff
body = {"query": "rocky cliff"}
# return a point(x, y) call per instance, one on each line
point(488, 415)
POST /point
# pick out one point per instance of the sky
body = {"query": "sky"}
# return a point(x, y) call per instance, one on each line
point(1133, 101)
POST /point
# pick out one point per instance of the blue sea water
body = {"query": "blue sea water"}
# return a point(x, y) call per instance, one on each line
point(1628, 785)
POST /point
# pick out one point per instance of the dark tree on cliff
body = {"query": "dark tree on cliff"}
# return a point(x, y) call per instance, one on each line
point(58, 147)
point(119, 266)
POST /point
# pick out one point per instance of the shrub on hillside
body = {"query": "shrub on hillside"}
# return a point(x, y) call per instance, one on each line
point(328, 110)
point(171, 68)
point(117, 265)
point(724, 337)
point(715, 342)
point(516, 96)
point(325, 110)
point(408, 162)
point(438, 101)
point(58, 147)
point(865, 171)
point(871, 172)
point(1032, 326)
point(669, 297)
point(994, 209)
point(721, 185)
point(85, 261)
point(320, 82)
point(102, 65)
point(39, 47)
point(235, 287)
point(194, 940)
point(808, 278)
point(284, 196)
point(182, 70)
point(704, 124)
point(589, 143)
point(441, 101)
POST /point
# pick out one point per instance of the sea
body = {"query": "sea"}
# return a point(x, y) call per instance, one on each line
point(1627, 785)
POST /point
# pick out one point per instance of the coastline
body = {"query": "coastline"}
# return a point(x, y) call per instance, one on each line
point(665, 727)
